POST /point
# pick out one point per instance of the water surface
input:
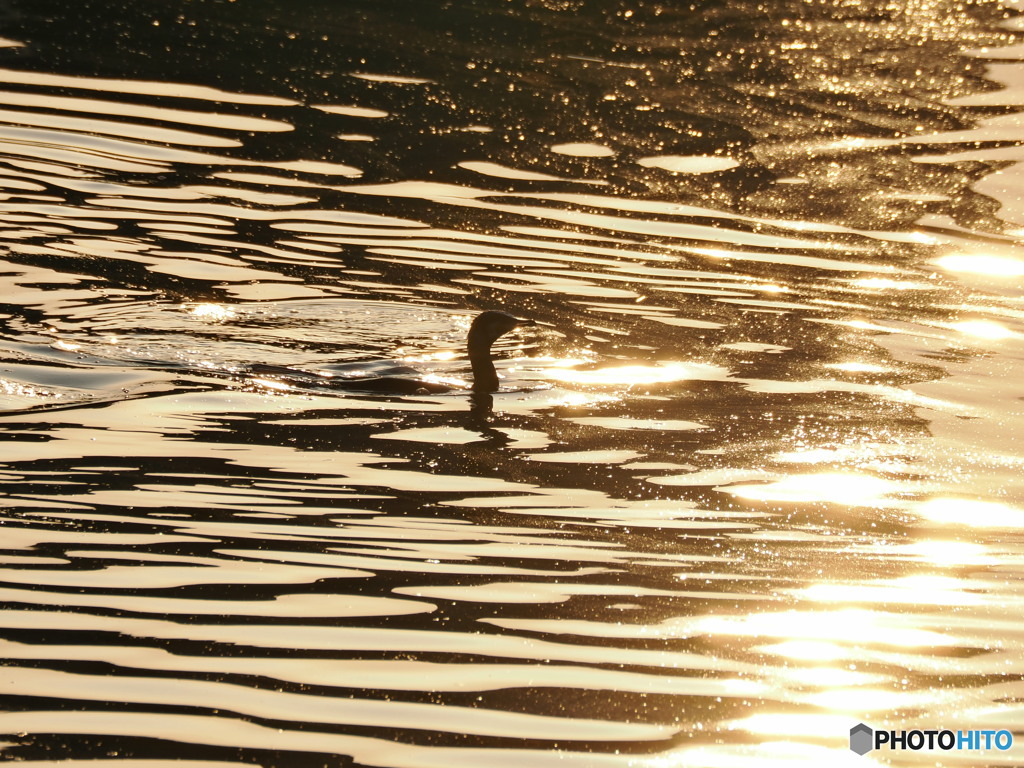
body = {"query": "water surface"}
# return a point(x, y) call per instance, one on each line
point(754, 477)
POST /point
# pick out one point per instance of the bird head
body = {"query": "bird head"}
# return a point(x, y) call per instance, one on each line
point(489, 325)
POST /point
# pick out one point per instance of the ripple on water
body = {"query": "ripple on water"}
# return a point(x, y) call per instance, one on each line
point(754, 477)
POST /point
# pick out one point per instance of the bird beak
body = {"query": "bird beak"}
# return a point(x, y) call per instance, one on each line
point(522, 321)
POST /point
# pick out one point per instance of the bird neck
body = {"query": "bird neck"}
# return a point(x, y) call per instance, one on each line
point(485, 378)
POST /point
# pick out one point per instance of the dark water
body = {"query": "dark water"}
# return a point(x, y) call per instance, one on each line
point(755, 476)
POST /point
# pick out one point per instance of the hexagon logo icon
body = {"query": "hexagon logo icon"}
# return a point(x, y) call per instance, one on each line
point(861, 738)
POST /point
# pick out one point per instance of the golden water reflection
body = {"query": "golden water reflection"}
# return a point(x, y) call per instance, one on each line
point(909, 590)
point(990, 264)
point(854, 626)
point(971, 513)
point(750, 479)
point(832, 487)
point(984, 329)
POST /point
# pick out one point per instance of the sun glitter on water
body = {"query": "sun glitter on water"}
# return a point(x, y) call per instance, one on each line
point(216, 313)
point(638, 375)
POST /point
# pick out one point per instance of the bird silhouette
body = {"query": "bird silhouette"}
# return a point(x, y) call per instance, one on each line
point(486, 328)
